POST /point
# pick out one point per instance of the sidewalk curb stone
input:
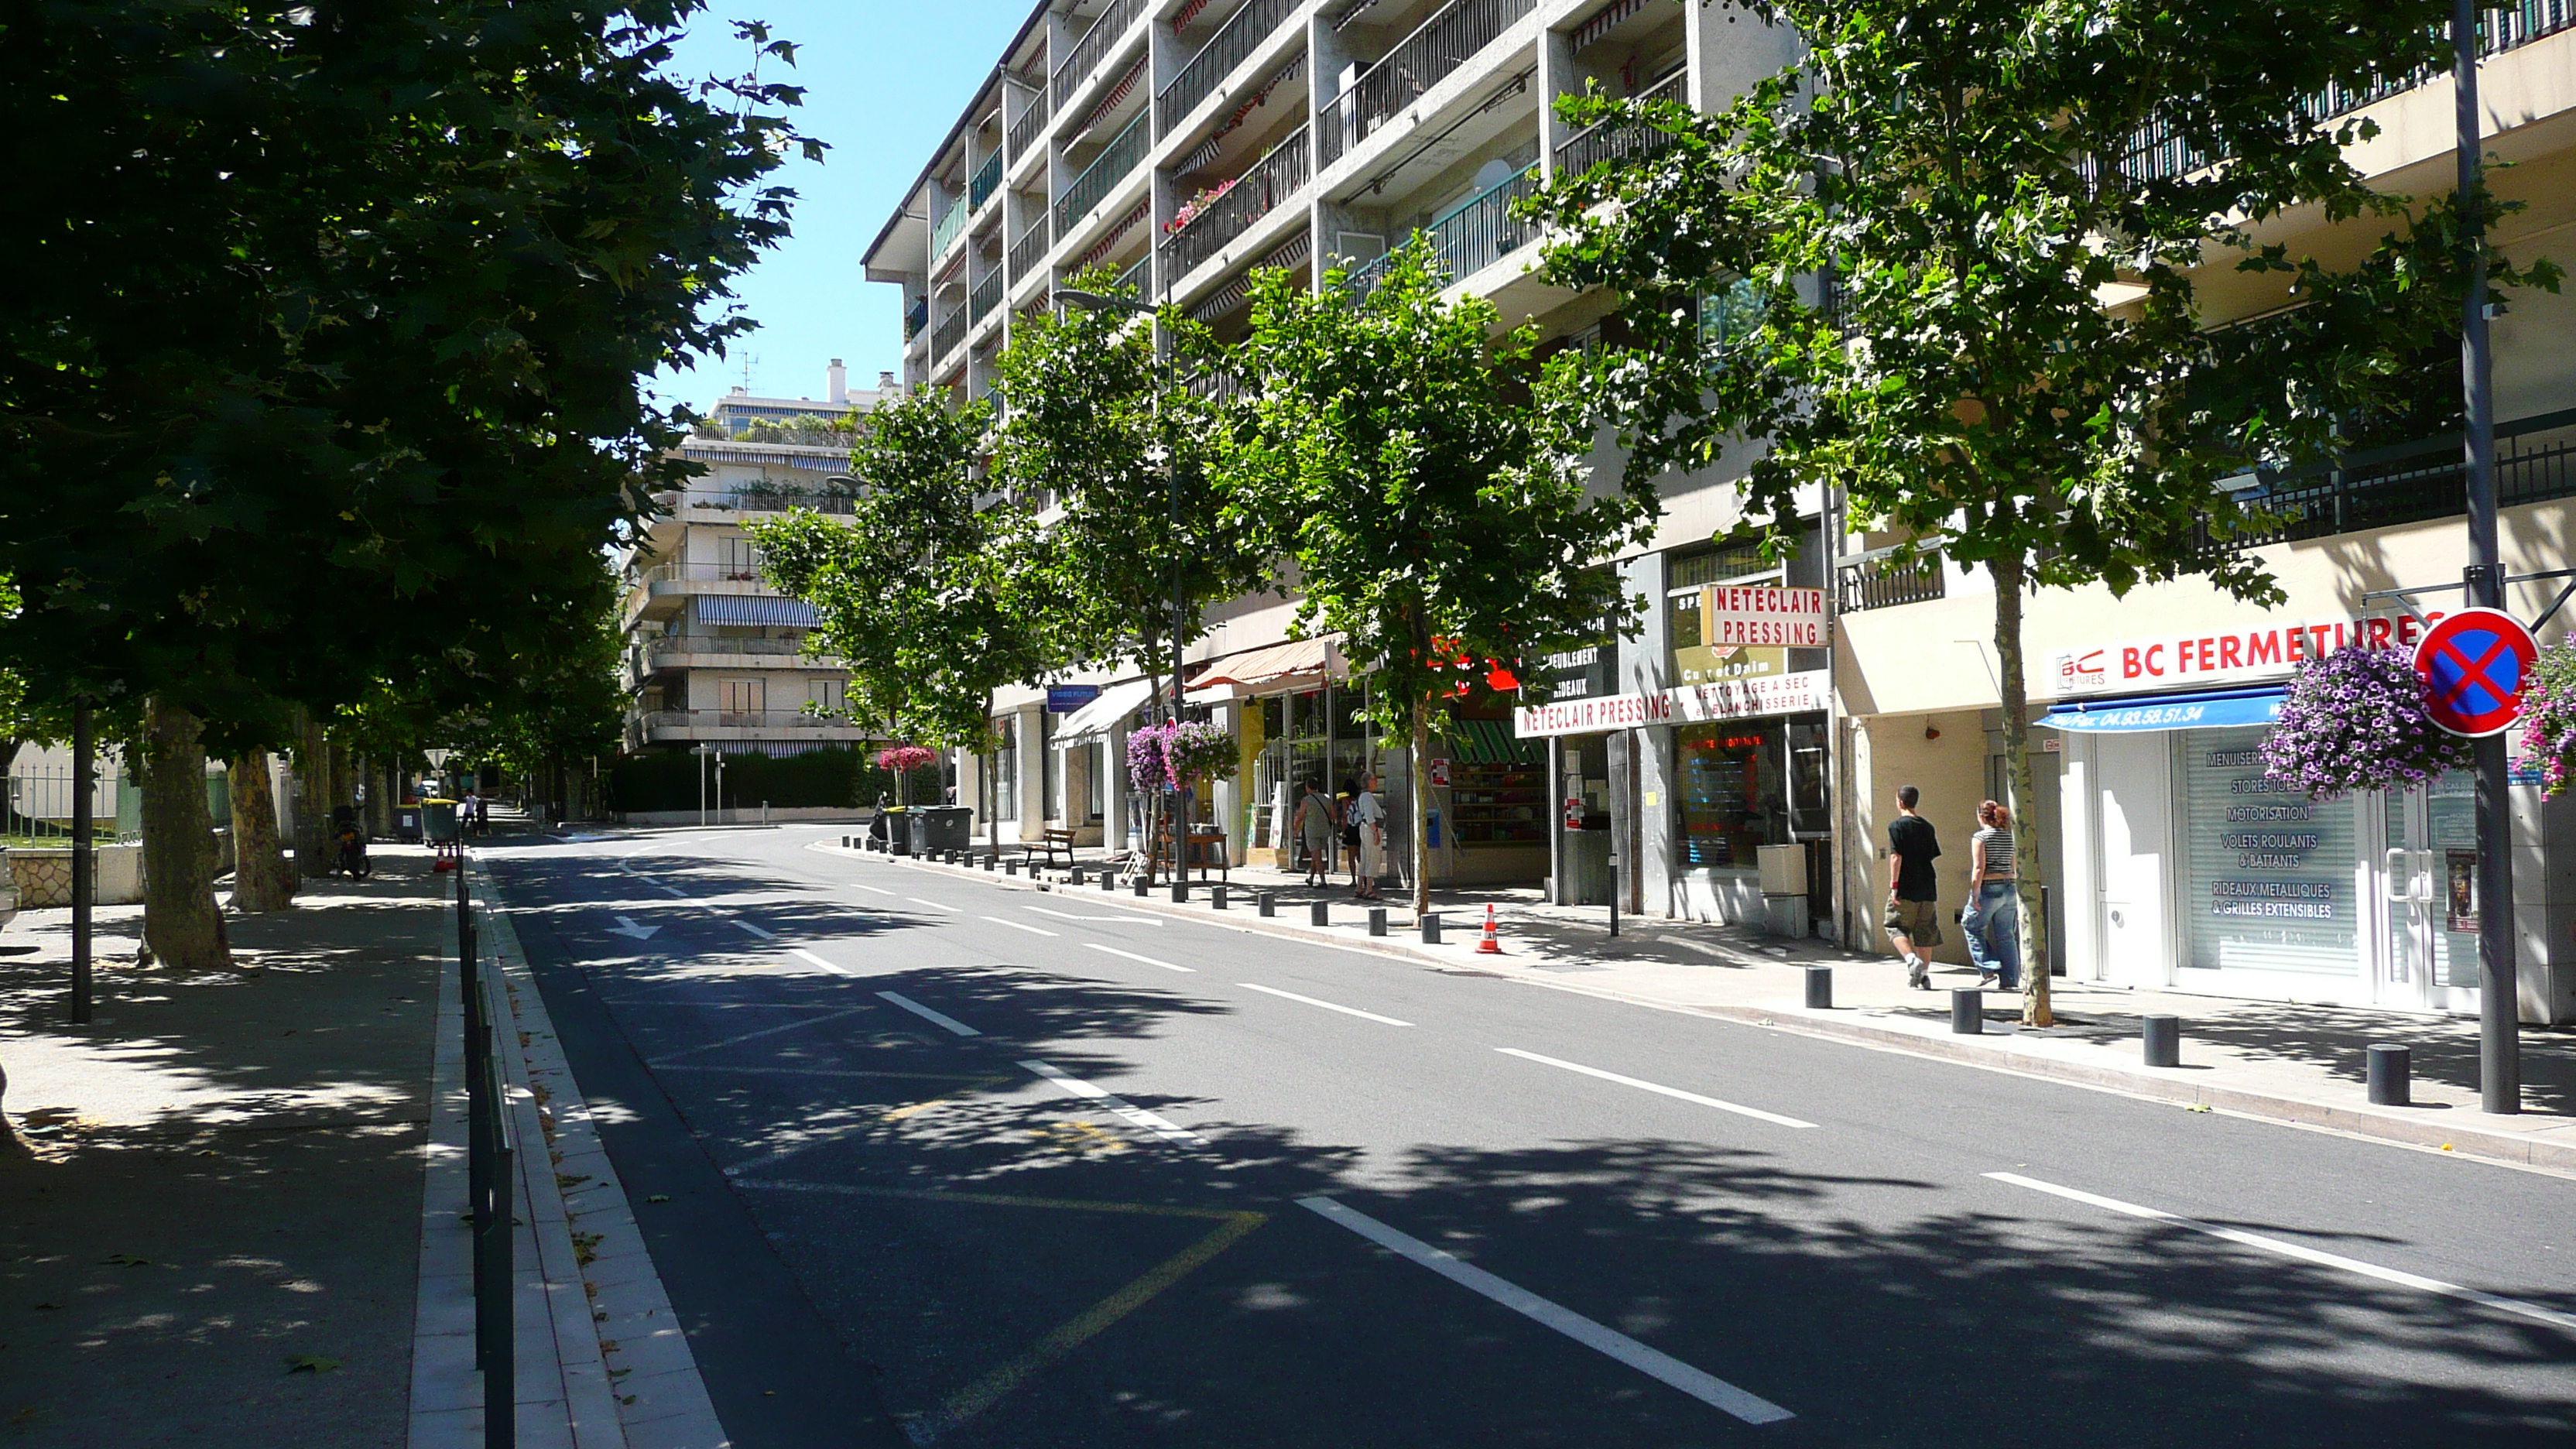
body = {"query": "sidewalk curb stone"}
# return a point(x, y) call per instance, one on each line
point(1991, 1053)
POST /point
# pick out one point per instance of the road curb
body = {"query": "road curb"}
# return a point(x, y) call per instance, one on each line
point(1991, 1054)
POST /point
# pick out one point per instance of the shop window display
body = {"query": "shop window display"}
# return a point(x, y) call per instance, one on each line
point(2269, 874)
point(1730, 799)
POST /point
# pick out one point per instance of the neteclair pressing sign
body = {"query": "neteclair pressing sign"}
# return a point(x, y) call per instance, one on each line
point(1690, 704)
point(2261, 647)
point(1761, 616)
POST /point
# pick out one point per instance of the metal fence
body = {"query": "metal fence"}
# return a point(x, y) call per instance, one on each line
point(1264, 185)
point(1437, 48)
point(1228, 48)
point(491, 1172)
point(1110, 167)
point(36, 806)
point(1029, 128)
point(1093, 48)
point(1884, 578)
point(2408, 483)
point(1617, 139)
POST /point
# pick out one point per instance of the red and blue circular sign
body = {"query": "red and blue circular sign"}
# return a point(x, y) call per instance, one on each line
point(2473, 664)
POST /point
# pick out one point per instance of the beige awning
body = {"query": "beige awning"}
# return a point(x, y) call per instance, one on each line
point(1298, 660)
point(1095, 720)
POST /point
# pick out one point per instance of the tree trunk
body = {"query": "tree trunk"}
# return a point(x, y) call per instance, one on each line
point(263, 878)
point(312, 799)
point(181, 925)
point(1421, 793)
point(2011, 578)
point(13, 1148)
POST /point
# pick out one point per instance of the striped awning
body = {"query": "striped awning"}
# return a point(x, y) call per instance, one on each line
point(763, 610)
point(1296, 660)
point(1233, 294)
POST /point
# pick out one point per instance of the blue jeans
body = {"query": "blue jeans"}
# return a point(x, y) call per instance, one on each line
point(1993, 929)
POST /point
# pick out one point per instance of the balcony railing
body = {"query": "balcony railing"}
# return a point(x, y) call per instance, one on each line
point(701, 573)
point(952, 331)
point(747, 719)
point(2157, 154)
point(1093, 48)
point(986, 296)
point(1264, 186)
point(1030, 128)
point(1137, 279)
point(1441, 44)
point(1615, 139)
point(674, 649)
point(1470, 236)
point(2410, 483)
point(916, 317)
point(1029, 250)
point(1228, 48)
point(1884, 578)
point(761, 498)
point(986, 181)
point(950, 227)
point(1102, 176)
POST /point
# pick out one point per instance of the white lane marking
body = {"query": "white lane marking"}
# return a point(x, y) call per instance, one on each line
point(1016, 926)
point(1654, 1363)
point(1070, 916)
point(926, 1014)
point(673, 890)
point(1644, 1086)
point(755, 930)
point(880, 890)
point(1132, 956)
point(709, 1046)
point(934, 905)
point(1162, 1127)
point(1328, 1006)
point(819, 961)
point(626, 927)
point(2299, 1251)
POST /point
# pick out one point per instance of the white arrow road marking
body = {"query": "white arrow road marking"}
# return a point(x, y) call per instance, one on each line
point(1654, 1363)
point(1016, 926)
point(1162, 1127)
point(1328, 1006)
point(2299, 1251)
point(926, 1014)
point(1132, 956)
point(1738, 1109)
point(626, 927)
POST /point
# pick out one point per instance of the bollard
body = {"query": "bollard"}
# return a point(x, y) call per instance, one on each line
point(1319, 913)
point(1967, 1011)
point(1074, 877)
point(1820, 988)
point(1108, 880)
point(1180, 890)
point(1377, 920)
point(1216, 896)
point(1010, 867)
point(991, 861)
point(1140, 887)
point(2163, 1037)
point(1431, 928)
point(1266, 903)
point(2389, 1067)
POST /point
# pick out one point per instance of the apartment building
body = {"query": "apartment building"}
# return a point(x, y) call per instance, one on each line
point(1185, 143)
point(715, 655)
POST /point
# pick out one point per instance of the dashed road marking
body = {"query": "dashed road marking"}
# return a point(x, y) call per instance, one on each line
point(1132, 956)
point(1016, 926)
point(928, 1015)
point(1327, 1005)
point(1659, 1089)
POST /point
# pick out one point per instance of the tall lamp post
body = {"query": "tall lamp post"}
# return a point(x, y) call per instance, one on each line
point(1106, 302)
point(2499, 1013)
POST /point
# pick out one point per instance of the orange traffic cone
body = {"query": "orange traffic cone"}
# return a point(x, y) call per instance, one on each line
point(1489, 945)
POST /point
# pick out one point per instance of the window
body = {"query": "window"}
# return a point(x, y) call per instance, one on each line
point(740, 558)
point(2268, 874)
point(824, 695)
point(1732, 799)
point(743, 696)
point(1051, 767)
point(1685, 579)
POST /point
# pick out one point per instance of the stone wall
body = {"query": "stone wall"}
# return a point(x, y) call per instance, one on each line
point(44, 877)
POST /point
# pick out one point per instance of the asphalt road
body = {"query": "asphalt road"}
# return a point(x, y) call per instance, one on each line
point(950, 1160)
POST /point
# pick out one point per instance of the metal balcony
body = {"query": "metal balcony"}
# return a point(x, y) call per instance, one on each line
point(1264, 187)
point(1228, 48)
point(1115, 162)
point(1093, 48)
point(1439, 46)
point(1616, 139)
point(952, 331)
point(1887, 577)
point(1029, 250)
point(986, 180)
point(1029, 129)
point(1470, 236)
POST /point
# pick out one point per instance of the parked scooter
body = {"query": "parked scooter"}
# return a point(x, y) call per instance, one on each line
point(348, 845)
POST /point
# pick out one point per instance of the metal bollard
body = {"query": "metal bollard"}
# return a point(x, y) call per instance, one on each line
point(1140, 887)
point(1319, 913)
point(1180, 890)
point(1074, 877)
point(1820, 988)
point(1967, 1011)
point(1266, 903)
point(2389, 1069)
point(1010, 867)
point(990, 861)
point(1108, 880)
point(1430, 928)
point(1377, 920)
point(2163, 1038)
point(1216, 896)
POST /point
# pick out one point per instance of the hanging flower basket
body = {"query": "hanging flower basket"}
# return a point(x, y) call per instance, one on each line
point(2355, 720)
point(2549, 716)
point(904, 759)
point(1147, 771)
point(1195, 751)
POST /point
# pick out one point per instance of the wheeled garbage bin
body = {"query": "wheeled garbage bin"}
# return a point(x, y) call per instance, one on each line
point(941, 827)
point(890, 826)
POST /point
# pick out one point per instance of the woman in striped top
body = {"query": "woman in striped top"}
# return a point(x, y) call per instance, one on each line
point(1993, 916)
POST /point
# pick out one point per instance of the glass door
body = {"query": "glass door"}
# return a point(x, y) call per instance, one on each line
point(2431, 871)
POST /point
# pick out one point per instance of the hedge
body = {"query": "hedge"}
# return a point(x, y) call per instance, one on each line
point(838, 779)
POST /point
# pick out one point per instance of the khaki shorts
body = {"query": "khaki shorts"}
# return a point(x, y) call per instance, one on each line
point(1919, 921)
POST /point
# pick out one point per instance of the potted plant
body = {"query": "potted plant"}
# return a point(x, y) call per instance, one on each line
point(2355, 720)
point(2549, 716)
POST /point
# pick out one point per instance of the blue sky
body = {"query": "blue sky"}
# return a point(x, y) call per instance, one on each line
point(883, 81)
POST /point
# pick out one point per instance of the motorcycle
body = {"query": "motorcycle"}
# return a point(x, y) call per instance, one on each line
point(349, 852)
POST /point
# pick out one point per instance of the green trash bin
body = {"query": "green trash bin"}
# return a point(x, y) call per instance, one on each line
point(890, 827)
point(438, 821)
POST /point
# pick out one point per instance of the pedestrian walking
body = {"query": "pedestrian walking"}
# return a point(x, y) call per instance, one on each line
point(1992, 919)
point(1346, 830)
point(1315, 830)
point(1368, 821)
point(1913, 912)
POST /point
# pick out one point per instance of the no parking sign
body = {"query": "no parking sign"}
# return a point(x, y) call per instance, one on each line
point(2473, 664)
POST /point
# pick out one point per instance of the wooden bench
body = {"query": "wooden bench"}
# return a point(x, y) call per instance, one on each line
point(1049, 845)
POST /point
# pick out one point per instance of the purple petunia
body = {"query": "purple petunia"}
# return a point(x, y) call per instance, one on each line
point(2355, 720)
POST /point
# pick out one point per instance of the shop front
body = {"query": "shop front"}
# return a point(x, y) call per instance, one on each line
point(2187, 867)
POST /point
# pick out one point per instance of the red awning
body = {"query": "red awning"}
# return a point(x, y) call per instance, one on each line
point(1298, 658)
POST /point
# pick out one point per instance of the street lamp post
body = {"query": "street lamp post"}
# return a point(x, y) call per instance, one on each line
point(1106, 302)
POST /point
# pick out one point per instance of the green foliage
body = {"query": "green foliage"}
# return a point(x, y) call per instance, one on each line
point(1099, 419)
point(1425, 478)
point(336, 357)
point(931, 603)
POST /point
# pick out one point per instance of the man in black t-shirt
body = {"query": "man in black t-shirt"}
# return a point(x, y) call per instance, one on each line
point(1913, 918)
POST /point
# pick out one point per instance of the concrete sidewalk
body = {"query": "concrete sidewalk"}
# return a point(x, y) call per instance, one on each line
point(2287, 1061)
